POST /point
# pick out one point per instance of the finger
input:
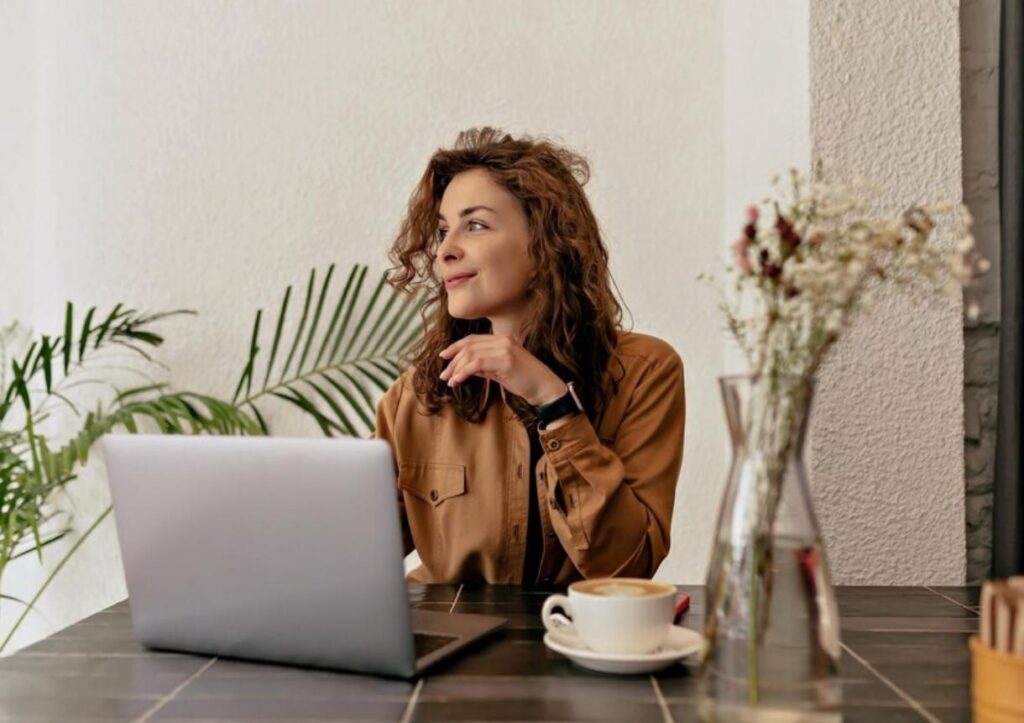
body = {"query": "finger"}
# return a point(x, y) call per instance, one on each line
point(454, 362)
point(487, 363)
point(458, 365)
point(457, 346)
point(470, 369)
point(482, 345)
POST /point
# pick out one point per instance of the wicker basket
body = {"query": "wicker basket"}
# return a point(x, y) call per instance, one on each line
point(997, 684)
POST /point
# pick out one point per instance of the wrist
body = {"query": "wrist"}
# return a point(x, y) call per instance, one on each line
point(550, 393)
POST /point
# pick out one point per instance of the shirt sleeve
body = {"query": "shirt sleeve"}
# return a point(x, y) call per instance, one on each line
point(612, 507)
point(384, 429)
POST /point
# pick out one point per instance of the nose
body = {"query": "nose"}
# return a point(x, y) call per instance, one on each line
point(449, 249)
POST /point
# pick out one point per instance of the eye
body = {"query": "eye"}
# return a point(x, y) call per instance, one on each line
point(440, 231)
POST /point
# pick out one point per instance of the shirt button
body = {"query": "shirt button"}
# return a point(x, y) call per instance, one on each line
point(554, 505)
point(554, 444)
point(433, 495)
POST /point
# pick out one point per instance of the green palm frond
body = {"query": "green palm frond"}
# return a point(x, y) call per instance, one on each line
point(60, 356)
point(333, 364)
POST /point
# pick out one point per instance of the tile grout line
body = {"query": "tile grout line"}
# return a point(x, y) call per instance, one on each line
point(895, 688)
point(665, 715)
point(965, 607)
point(167, 698)
point(455, 601)
point(407, 715)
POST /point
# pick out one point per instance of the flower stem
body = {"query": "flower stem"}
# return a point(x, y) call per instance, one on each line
point(755, 604)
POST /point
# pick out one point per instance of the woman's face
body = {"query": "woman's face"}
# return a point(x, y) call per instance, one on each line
point(484, 232)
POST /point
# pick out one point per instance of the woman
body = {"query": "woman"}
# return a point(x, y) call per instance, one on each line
point(535, 441)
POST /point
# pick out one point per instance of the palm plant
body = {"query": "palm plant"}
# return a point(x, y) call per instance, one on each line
point(34, 379)
point(337, 370)
point(337, 365)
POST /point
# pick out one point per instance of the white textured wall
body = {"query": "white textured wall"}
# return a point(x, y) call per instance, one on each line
point(766, 114)
point(208, 154)
point(887, 431)
point(17, 174)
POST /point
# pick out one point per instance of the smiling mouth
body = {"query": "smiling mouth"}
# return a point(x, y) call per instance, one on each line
point(459, 280)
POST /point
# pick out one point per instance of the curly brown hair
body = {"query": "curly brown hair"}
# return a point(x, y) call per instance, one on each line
point(573, 317)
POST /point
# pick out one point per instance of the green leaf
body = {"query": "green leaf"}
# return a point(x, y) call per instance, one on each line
point(368, 326)
point(46, 354)
point(337, 313)
point(380, 320)
point(336, 408)
point(401, 317)
point(316, 316)
point(259, 418)
point(277, 334)
point(20, 388)
point(254, 349)
point(83, 339)
point(46, 542)
point(365, 316)
point(348, 311)
point(138, 350)
point(147, 337)
point(103, 328)
point(326, 425)
point(361, 391)
point(352, 402)
point(381, 383)
point(302, 324)
point(69, 313)
point(389, 374)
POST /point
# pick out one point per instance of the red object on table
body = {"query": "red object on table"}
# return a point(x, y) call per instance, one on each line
point(682, 605)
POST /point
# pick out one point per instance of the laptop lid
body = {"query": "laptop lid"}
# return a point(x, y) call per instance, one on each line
point(278, 549)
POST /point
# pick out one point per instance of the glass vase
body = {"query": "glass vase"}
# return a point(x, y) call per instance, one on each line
point(772, 626)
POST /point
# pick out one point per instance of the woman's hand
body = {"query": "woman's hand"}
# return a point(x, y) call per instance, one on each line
point(503, 359)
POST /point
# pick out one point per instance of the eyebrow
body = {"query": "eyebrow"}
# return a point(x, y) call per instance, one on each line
point(467, 211)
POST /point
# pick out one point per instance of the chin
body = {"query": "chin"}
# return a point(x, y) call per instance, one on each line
point(465, 312)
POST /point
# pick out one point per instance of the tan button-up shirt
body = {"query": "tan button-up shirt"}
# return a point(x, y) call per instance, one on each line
point(606, 494)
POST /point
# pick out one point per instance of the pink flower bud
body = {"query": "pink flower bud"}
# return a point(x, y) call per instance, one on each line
point(816, 238)
point(743, 262)
point(752, 213)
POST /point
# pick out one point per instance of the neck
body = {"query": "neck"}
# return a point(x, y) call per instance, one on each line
point(509, 326)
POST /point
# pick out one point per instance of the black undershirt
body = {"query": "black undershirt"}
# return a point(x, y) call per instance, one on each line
point(534, 534)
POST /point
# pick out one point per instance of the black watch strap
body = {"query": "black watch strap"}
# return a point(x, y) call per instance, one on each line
point(568, 403)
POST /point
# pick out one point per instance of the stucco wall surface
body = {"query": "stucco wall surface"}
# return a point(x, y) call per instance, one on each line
point(887, 432)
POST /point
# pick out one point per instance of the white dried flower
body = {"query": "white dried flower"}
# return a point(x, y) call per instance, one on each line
point(826, 255)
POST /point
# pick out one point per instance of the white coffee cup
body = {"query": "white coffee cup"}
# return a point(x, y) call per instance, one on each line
point(614, 615)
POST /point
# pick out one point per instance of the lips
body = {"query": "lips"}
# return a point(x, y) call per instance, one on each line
point(457, 279)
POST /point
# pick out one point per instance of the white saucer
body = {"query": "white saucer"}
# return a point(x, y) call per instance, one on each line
point(681, 643)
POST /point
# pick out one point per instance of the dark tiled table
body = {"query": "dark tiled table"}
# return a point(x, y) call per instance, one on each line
point(905, 658)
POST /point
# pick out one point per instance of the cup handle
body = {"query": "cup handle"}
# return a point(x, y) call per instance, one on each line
point(556, 622)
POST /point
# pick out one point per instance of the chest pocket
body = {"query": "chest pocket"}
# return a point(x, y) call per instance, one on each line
point(432, 482)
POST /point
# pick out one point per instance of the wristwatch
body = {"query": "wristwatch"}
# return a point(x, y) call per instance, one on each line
point(568, 403)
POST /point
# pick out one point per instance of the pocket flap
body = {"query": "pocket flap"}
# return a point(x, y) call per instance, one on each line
point(432, 482)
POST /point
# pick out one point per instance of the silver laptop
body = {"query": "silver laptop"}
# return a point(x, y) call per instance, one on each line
point(282, 550)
